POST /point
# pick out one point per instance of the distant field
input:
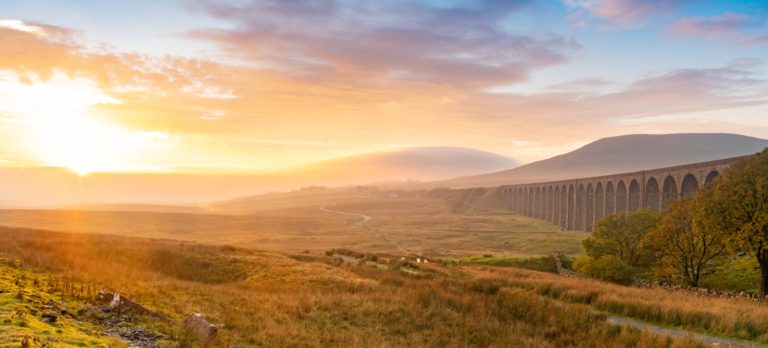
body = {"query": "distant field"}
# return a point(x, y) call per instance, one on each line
point(296, 222)
point(428, 227)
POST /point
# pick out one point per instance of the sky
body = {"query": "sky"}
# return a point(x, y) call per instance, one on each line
point(203, 86)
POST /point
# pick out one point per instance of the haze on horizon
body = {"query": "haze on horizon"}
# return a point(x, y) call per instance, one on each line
point(236, 87)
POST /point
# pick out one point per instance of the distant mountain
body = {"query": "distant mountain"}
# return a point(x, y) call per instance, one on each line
point(621, 154)
point(57, 187)
point(421, 163)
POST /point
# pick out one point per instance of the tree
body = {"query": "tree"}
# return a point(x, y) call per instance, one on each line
point(739, 206)
point(606, 267)
point(623, 236)
point(684, 240)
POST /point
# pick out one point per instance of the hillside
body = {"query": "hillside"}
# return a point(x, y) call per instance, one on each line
point(421, 163)
point(621, 154)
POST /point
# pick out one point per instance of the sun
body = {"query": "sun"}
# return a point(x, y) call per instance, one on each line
point(62, 131)
point(81, 144)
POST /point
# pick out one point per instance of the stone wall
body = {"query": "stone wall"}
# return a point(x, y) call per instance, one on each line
point(652, 284)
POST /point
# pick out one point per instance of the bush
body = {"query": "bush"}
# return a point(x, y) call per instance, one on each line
point(606, 267)
point(623, 236)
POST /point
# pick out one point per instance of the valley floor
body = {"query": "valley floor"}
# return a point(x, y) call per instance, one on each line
point(318, 222)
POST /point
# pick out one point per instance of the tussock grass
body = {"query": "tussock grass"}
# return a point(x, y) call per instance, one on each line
point(309, 301)
point(738, 318)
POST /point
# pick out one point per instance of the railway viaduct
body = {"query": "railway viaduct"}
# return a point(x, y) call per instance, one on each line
point(578, 204)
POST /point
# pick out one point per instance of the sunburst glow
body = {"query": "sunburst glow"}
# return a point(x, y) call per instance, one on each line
point(62, 131)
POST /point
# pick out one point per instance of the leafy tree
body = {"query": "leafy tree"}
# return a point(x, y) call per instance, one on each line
point(739, 206)
point(606, 267)
point(684, 240)
point(623, 236)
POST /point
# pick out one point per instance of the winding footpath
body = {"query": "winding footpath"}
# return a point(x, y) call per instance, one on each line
point(363, 225)
point(709, 340)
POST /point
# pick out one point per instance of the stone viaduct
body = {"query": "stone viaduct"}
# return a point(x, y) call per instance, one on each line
point(578, 204)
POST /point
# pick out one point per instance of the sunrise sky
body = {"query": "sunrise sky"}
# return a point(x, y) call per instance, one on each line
point(245, 86)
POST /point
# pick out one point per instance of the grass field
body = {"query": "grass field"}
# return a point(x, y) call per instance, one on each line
point(23, 296)
point(408, 225)
point(284, 299)
point(738, 318)
point(735, 273)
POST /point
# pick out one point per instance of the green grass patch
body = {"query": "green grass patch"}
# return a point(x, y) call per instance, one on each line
point(735, 273)
point(542, 264)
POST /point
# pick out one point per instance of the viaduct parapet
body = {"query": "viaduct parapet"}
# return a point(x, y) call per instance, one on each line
point(578, 204)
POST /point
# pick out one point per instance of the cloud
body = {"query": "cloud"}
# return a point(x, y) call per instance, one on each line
point(565, 112)
point(241, 115)
point(621, 13)
point(384, 41)
point(726, 24)
point(759, 40)
point(48, 32)
point(745, 62)
point(731, 27)
point(579, 85)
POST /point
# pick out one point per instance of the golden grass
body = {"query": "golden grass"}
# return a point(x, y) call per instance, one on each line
point(293, 222)
point(23, 293)
point(316, 300)
point(738, 318)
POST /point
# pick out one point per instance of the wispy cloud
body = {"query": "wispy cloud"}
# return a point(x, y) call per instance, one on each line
point(461, 46)
point(621, 13)
point(729, 23)
point(731, 27)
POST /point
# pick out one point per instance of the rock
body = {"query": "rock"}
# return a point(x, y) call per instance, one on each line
point(49, 318)
point(196, 324)
point(121, 304)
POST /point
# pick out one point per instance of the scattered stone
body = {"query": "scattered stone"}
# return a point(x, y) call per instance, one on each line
point(49, 318)
point(121, 304)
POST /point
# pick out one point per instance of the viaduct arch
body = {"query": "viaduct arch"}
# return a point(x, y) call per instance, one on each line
point(578, 204)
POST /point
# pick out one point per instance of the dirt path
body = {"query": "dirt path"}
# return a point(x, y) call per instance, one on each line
point(363, 225)
point(712, 341)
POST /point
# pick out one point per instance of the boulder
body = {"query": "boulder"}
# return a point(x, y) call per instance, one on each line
point(196, 324)
point(49, 318)
point(121, 305)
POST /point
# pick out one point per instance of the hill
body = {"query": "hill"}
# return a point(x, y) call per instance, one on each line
point(621, 154)
point(421, 163)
